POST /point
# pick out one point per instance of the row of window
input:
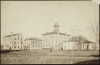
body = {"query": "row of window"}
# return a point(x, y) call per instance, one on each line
point(36, 45)
point(56, 37)
point(36, 42)
point(12, 39)
point(86, 46)
point(52, 41)
point(16, 47)
point(18, 43)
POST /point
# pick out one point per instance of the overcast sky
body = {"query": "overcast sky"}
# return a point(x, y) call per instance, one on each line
point(34, 18)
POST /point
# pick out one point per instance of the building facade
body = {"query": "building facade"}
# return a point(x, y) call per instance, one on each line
point(13, 42)
point(33, 43)
point(54, 39)
point(70, 45)
point(87, 45)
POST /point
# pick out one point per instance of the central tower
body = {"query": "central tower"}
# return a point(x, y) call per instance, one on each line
point(56, 27)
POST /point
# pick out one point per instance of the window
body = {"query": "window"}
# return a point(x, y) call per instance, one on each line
point(18, 38)
point(21, 47)
point(33, 45)
point(15, 46)
point(36, 45)
point(18, 46)
point(21, 43)
point(87, 46)
point(15, 38)
point(83, 46)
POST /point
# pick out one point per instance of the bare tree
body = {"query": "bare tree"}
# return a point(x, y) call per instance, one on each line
point(94, 31)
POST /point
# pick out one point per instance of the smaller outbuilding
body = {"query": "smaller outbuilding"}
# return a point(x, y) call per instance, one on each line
point(70, 45)
point(88, 45)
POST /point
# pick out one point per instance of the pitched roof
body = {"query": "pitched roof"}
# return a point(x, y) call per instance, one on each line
point(87, 42)
point(55, 33)
point(56, 25)
point(34, 38)
point(10, 35)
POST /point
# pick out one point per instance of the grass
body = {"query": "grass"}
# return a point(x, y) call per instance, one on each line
point(47, 57)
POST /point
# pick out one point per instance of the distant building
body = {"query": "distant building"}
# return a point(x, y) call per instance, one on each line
point(54, 39)
point(13, 41)
point(33, 43)
point(88, 45)
point(70, 45)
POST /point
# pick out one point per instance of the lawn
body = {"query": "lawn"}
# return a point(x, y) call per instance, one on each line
point(47, 57)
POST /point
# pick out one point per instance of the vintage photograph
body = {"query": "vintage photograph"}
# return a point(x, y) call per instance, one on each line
point(50, 32)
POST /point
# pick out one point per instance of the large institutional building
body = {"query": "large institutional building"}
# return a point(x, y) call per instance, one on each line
point(54, 39)
point(13, 41)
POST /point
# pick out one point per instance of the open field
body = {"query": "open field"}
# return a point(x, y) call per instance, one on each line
point(47, 57)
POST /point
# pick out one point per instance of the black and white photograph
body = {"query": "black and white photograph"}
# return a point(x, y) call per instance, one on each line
point(50, 32)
